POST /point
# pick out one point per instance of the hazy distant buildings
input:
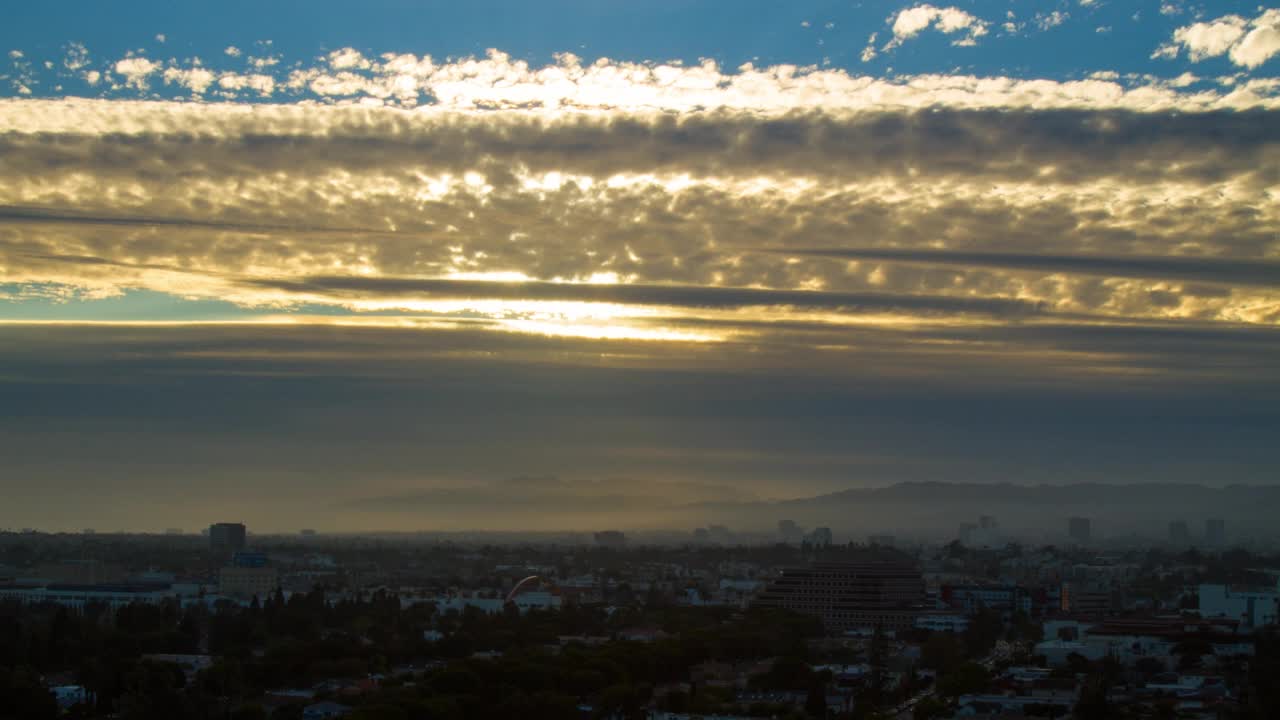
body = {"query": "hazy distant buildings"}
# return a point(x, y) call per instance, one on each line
point(227, 537)
point(1080, 530)
point(1179, 532)
point(1215, 532)
point(820, 537)
point(984, 534)
point(882, 540)
point(790, 531)
point(849, 595)
point(82, 572)
point(1089, 599)
point(720, 534)
point(611, 539)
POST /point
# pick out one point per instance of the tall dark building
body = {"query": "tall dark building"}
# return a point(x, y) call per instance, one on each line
point(849, 595)
point(226, 537)
point(1080, 529)
point(1215, 531)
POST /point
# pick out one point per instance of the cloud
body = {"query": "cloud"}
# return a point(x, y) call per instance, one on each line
point(688, 271)
point(136, 71)
point(348, 59)
point(77, 57)
point(193, 199)
point(869, 52)
point(1047, 21)
point(197, 80)
point(910, 22)
point(497, 82)
point(1260, 273)
point(690, 296)
point(232, 51)
point(1261, 44)
point(1247, 43)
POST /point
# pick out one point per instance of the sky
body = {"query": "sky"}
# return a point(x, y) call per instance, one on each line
point(541, 265)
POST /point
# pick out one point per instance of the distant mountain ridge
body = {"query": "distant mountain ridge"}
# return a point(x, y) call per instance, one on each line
point(938, 508)
point(1076, 492)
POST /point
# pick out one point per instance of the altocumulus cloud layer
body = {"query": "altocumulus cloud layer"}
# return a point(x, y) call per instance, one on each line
point(381, 221)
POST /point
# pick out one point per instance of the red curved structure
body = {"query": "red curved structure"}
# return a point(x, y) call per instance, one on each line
point(511, 596)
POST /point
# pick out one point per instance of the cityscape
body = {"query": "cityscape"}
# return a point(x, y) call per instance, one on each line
point(792, 622)
point(666, 360)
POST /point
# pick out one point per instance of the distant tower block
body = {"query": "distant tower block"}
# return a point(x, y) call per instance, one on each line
point(1215, 532)
point(224, 537)
point(1080, 529)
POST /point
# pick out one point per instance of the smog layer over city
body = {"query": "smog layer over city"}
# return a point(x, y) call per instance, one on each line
point(669, 360)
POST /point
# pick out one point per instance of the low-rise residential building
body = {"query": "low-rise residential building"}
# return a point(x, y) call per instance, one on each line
point(972, 598)
point(248, 581)
point(79, 596)
point(943, 622)
point(1253, 608)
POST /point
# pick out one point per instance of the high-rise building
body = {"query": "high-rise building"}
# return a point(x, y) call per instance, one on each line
point(226, 537)
point(1215, 532)
point(848, 595)
point(1080, 529)
point(1179, 533)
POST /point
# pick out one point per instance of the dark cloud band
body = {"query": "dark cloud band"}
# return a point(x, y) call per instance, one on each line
point(1256, 272)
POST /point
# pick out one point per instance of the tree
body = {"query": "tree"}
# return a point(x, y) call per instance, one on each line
point(969, 678)
point(929, 708)
point(941, 652)
point(1149, 666)
point(23, 696)
point(877, 658)
point(1093, 703)
point(816, 702)
point(620, 699)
